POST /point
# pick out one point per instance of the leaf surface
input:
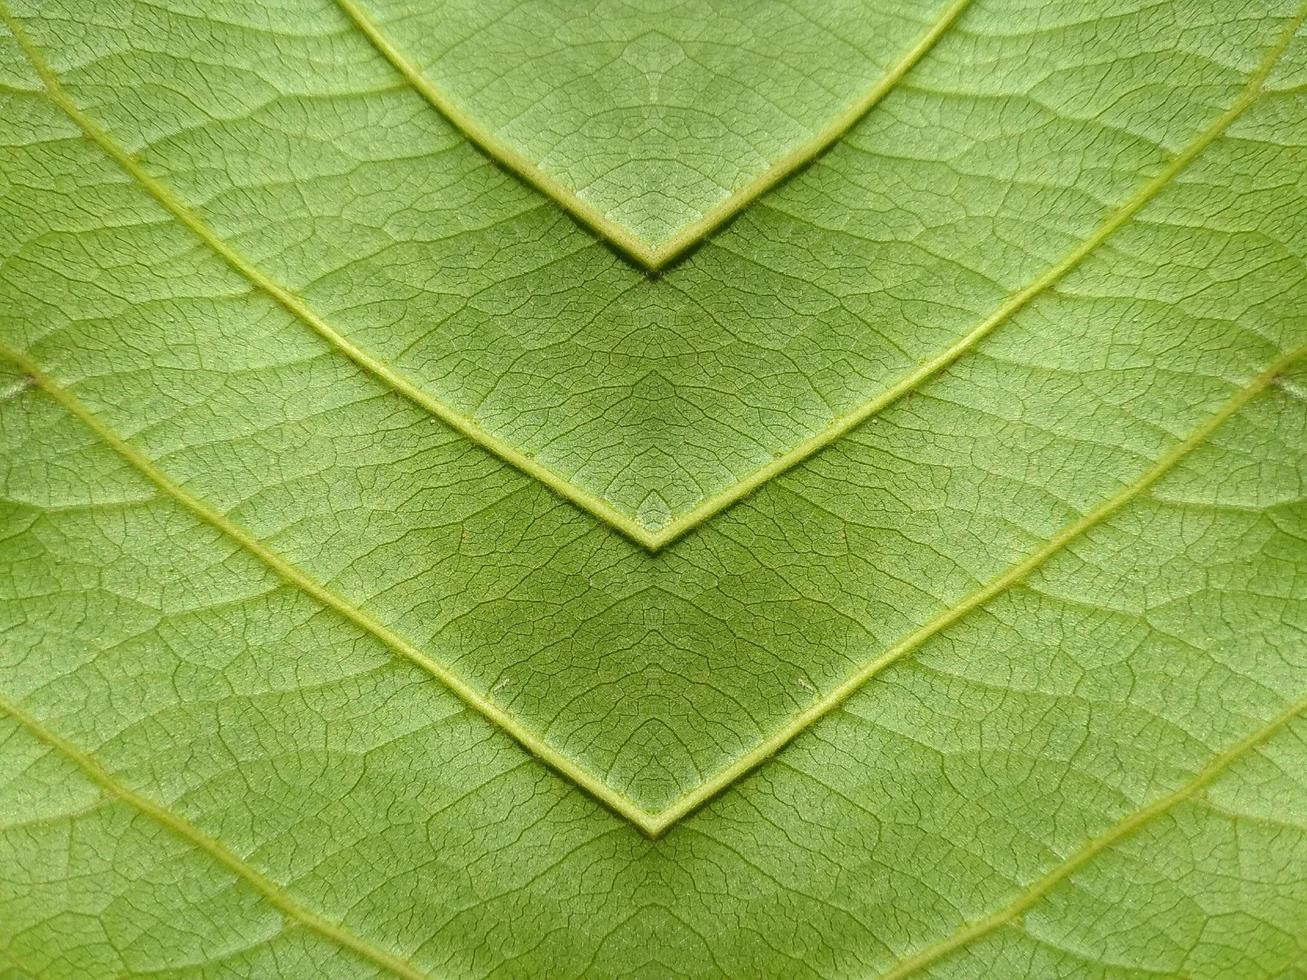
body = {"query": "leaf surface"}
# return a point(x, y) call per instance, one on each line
point(397, 576)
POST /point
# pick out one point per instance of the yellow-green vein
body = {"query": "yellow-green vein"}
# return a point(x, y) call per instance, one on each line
point(296, 306)
point(625, 241)
point(994, 587)
point(275, 894)
point(1091, 849)
point(301, 580)
point(709, 507)
point(656, 823)
point(913, 380)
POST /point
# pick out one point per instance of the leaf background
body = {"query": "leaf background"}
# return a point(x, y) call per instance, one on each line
point(1072, 559)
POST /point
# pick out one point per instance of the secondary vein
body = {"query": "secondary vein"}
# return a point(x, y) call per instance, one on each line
point(996, 586)
point(657, 823)
point(297, 307)
point(299, 579)
point(1091, 849)
point(691, 234)
point(275, 894)
point(596, 506)
point(914, 379)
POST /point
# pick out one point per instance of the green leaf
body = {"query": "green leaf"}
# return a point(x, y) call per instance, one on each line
point(730, 489)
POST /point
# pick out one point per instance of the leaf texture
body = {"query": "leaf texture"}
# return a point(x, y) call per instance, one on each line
point(653, 489)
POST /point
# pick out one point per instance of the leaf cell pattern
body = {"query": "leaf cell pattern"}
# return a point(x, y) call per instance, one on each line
point(761, 489)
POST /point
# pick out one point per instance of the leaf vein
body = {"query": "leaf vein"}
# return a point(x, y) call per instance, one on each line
point(1119, 831)
point(275, 894)
point(923, 372)
point(299, 579)
point(591, 217)
point(293, 304)
point(977, 598)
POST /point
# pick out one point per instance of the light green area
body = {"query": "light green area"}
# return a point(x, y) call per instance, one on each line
point(395, 579)
point(653, 122)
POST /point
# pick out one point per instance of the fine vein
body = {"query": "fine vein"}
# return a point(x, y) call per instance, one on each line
point(651, 823)
point(1091, 849)
point(913, 380)
point(275, 894)
point(625, 241)
point(1001, 583)
point(298, 308)
point(301, 580)
point(596, 506)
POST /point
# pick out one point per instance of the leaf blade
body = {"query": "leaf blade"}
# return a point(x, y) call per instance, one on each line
point(967, 773)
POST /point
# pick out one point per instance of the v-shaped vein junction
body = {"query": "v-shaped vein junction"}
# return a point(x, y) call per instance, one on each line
point(338, 933)
point(630, 245)
point(652, 539)
point(651, 823)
